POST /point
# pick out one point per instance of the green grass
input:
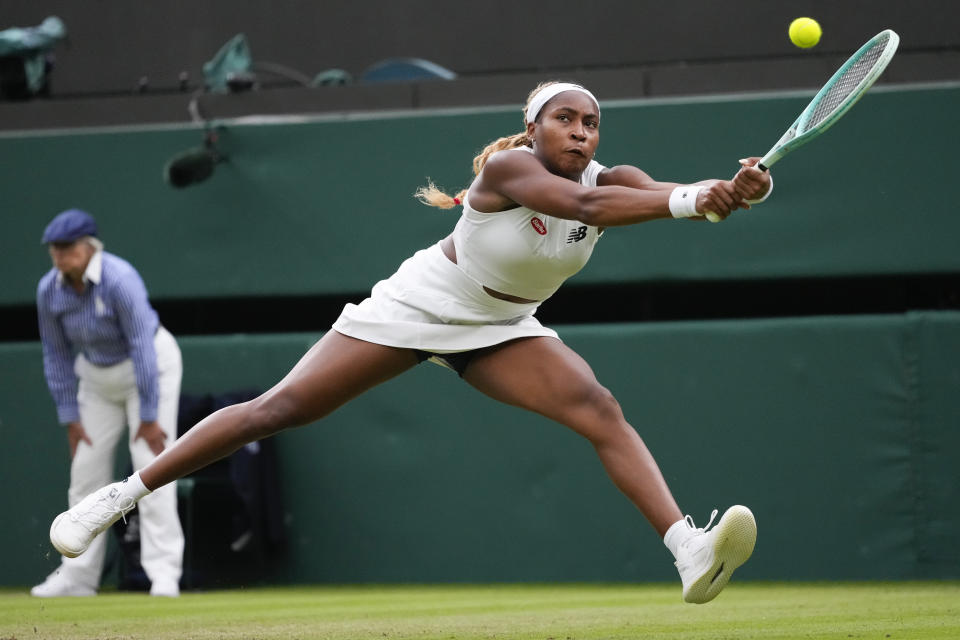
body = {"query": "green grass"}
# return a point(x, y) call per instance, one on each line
point(512, 612)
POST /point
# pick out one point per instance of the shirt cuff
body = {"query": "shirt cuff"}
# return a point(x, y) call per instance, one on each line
point(66, 415)
point(148, 413)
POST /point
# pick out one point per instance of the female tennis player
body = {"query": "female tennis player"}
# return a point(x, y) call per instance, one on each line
point(531, 218)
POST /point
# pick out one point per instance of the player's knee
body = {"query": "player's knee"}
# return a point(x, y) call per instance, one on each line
point(604, 404)
point(271, 413)
point(604, 418)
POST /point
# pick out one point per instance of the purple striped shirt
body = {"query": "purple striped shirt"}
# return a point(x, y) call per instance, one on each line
point(112, 320)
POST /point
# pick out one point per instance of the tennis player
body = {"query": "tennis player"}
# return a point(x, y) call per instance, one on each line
point(531, 218)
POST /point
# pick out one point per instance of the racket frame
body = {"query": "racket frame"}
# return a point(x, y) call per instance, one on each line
point(797, 135)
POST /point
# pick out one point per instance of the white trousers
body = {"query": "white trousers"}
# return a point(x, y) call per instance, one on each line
point(109, 404)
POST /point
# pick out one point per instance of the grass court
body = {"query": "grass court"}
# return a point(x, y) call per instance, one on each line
point(899, 611)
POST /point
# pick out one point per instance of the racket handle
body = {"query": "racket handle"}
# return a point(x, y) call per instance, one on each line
point(712, 217)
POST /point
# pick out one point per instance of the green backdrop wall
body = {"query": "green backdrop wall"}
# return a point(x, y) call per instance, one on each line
point(840, 433)
point(325, 205)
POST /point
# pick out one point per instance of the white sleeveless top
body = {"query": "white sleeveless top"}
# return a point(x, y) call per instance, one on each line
point(522, 252)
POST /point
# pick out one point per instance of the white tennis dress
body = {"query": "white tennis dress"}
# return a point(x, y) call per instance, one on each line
point(434, 305)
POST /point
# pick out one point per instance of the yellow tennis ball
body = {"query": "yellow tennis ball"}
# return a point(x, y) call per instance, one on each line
point(805, 32)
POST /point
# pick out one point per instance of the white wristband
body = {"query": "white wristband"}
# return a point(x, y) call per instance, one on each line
point(683, 201)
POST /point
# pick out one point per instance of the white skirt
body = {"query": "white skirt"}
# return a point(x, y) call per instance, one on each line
point(431, 305)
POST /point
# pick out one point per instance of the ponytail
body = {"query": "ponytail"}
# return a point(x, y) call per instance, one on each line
point(436, 197)
point(509, 142)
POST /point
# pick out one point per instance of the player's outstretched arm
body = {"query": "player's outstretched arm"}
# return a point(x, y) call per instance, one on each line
point(717, 196)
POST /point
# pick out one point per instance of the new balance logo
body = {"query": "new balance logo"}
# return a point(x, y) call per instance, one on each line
point(576, 235)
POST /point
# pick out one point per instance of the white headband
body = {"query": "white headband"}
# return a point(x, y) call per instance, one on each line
point(548, 92)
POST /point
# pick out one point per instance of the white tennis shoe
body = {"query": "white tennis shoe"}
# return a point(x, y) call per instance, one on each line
point(58, 585)
point(706, 559)
point(165, 588)
point(72, 531)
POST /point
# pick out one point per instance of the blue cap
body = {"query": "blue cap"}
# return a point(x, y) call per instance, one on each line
point(68, 226)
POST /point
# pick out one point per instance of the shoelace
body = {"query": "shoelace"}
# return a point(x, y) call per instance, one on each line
point(690, 524)
point(683, 562)
point(102, 511)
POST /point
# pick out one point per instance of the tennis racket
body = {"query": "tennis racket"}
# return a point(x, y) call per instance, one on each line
point(841, 92)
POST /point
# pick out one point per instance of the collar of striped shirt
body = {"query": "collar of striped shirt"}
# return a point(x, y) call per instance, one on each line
point(93, 272)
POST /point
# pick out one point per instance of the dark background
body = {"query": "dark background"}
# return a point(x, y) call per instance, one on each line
point(498, 48)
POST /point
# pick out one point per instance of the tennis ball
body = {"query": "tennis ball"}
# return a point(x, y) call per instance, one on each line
point(805, 32)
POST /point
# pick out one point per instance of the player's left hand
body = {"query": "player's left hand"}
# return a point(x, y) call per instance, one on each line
point(153, 435)
point(750, 182)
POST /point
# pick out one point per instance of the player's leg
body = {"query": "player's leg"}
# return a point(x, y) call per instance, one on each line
point(161, 536)
point(335, 370)
point(546, 376)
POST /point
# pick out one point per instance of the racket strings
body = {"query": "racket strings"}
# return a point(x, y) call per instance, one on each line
point(847, 83)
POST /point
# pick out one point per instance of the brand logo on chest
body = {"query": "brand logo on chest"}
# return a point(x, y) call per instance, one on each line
point(539, 226)
point(577, 234)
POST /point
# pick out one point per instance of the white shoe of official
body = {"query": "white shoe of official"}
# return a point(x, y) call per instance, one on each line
point(706, 559)
point(72, 531)
point(57, 585)
point(165, 588)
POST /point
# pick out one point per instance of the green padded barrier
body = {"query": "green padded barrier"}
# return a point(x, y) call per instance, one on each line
point(325, 206)
point(840, 433)
point(935, 441)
